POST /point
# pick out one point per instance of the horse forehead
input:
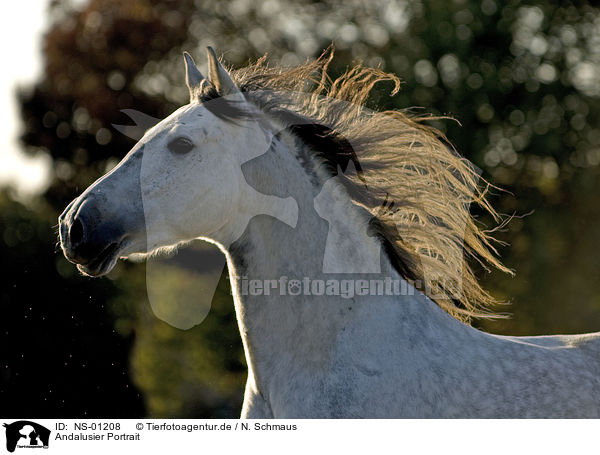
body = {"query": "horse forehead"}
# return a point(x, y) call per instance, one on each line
point(188, 118)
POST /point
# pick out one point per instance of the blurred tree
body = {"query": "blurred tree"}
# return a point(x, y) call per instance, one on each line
point(522, 80)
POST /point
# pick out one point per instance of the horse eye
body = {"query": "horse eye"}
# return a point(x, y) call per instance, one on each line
point(180, 145)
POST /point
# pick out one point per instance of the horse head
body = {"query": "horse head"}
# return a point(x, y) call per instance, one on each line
point(181, 181)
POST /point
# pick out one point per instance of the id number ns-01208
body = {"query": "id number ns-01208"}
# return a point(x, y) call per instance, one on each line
point(97, 426)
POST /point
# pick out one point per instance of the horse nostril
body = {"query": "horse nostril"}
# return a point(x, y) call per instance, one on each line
point(76, 232)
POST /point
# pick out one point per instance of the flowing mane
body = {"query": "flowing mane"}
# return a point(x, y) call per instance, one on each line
point(407, 175)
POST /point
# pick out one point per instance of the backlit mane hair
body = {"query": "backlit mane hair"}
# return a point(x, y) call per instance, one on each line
point(410, 179)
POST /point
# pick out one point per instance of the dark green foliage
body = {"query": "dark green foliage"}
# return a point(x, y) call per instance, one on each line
point(60, 354)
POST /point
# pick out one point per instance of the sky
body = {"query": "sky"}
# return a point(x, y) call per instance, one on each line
point(21, 29)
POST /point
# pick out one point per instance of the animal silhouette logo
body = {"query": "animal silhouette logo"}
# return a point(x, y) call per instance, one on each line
point(367, 255)
point(26, 434)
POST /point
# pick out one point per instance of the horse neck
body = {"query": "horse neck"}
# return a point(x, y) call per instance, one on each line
point(305, 328)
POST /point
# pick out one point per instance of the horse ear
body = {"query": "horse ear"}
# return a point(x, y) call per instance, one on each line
point(193, 76)
point(219, 75)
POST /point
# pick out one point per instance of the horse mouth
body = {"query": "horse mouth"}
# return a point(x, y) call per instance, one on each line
point(103, 263)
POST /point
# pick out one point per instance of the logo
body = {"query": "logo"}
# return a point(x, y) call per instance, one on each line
point(26, 435)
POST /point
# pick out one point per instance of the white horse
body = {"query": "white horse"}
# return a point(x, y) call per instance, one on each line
point(345, 233)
